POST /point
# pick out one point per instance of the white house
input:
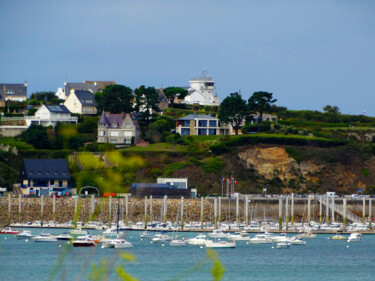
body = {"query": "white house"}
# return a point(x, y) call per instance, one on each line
point(91, 86)
point(48, 115)
point(81, 102)
point(202, 91)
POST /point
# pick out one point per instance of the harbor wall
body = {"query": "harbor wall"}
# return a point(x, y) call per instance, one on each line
point(259, 209)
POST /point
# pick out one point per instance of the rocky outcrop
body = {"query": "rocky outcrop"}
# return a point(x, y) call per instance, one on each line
point(275, 162)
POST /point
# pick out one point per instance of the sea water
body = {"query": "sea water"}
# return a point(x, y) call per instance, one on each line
point(321, 259)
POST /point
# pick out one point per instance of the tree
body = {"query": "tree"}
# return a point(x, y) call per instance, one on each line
point(158, 130)
point(172, 93)
point(146, 102)
point(260, 102)
point(233, 110)
point(115, 99)
point(36, 135)
point(331, 109)
point(48, 97)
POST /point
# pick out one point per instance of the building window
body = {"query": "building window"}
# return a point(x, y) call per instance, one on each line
point(213, 123)
point(202, 132)
point(202, 123)
point(185, 132)
point(127, 125)
point(113, 141)
point(212, 132)
point(114, 125)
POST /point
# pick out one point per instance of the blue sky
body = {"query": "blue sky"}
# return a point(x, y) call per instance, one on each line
point(308, 53)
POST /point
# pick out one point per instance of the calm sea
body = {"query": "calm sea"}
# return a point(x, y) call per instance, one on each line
point(321, 259)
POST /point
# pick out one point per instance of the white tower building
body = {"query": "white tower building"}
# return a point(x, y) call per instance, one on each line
point(202, 91)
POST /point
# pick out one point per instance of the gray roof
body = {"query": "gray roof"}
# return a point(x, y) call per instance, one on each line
point(12, 90)
point(161, 96)
point(45, 169)
point(111, 119)
point(85, 97)
point(79, 87)
point(197, 116)
point(57, 108)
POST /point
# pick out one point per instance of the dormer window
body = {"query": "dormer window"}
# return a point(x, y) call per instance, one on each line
point(55, 172)
point(127, 125)
point(114, 125)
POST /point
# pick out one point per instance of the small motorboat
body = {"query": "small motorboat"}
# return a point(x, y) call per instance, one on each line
point(239, 236)
point(198, 240)
point(45, 238)
point(79, 232)
point(338, 237)
point(297, 241)
point(218, 233)
point(283, 244)
point(84, 241)
point(355, 237)
point(64, 236)
point(24, 235)
point(146, 234)
point(9, 230)
point(261, 239)
point(306, 235)
point(159, 238)
point(220, 244)
point(118, 243)
point(177, 242)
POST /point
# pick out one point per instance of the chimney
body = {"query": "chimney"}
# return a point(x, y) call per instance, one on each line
point(25, 84)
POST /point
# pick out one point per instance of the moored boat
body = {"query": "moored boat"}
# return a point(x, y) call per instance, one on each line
point(198, 240)
point(220, 244)
point(84, 241)
point(45, 238)
point(24, 234)
point(9, 230)
point(283, 244)
point(177, 242)
point(261, 239)
point(355, 237)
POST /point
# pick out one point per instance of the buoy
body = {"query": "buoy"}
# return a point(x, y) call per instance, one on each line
point(273, 247)
point(201, 247)
point(59, 246)
point(327, 238)
point(347, 246)
point(247, 243)
point(5, 238)
point(162, 245)
point(68, 242)
point(27, 240)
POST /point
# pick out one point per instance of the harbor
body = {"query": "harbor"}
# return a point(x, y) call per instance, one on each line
point(322, 214)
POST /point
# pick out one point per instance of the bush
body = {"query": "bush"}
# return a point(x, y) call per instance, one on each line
point(213, 165)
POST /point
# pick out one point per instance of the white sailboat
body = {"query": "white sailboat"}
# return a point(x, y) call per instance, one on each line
point(119, 242)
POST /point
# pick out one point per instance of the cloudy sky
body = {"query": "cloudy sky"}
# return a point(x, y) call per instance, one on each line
point(308, 53)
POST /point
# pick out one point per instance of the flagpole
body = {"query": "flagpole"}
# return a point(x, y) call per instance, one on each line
point(222, 185)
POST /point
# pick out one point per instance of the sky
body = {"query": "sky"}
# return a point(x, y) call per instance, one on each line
point(308, 53)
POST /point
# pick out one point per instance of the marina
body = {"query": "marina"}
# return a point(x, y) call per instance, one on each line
point(246, 261)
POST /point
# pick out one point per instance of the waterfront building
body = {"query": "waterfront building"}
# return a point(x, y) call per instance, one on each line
point(141, 190)
point(118, 129)
point(44, 176)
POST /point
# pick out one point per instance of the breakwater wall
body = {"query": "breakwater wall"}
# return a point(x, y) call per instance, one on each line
point(25, 210)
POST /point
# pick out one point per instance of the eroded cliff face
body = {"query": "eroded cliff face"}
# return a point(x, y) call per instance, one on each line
point(275, 162)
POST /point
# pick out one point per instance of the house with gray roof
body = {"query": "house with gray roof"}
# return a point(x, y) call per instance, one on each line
point(13, 92)
point(49, 115)
point(118, 129)
point(91, 86)
point(81, 102)
point(199, 124)
point(44, 176)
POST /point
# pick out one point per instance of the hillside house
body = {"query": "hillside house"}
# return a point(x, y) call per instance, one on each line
point(81, 102)
point(13, 92)
point(44, 176)
point(199, 124)
point(48, 115)
point(91, 86)
point(118, 129)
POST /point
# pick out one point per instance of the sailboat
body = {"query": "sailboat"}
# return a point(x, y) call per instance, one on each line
point(119, 242)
